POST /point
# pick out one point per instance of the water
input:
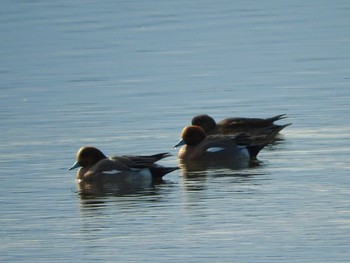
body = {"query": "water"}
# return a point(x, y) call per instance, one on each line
point(126, 77)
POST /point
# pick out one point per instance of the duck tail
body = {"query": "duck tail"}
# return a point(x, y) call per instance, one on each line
point(275, 129)
point(255, 149)
point(158, 171)
point(281, 127)
point(276, 118)
point(160, 156)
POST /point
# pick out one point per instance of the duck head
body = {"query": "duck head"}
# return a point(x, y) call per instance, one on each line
point(87, 156)
point(191, 135)
point(205, 121)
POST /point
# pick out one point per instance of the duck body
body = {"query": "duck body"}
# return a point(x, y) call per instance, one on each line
point(256, 127)
point(197, 146)
point(95, 166)
point(214, 148)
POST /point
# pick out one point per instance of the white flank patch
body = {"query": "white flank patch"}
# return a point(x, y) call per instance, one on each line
point(215, 149)
point(244, 152)
point(112, 172)
point(145, 172)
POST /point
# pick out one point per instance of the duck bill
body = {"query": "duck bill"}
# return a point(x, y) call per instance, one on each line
point(75, 165)
point(180, 143)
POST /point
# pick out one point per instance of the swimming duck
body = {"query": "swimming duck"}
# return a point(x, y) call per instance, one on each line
point(197, 146)
point(95, 166)
point(254, 126)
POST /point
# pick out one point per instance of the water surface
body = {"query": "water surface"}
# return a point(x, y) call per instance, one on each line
point(126, 77)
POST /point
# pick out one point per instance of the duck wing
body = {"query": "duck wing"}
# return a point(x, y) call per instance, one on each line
point(242, 138)
point(139, 161)
point(249, 122)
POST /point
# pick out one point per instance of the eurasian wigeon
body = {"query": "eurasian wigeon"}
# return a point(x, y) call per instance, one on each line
point(197, 146)
point(265, 128)
point(95, 166)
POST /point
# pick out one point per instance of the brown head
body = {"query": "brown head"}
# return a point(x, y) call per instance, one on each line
point(87, 156)
point(193, 135)
point(205, 121)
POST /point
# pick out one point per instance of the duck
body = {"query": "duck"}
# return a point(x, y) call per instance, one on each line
point(261, 129)
point(198, 146)
point(97, 167)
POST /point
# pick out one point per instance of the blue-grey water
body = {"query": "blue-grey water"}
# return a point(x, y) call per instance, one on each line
point(126, 77)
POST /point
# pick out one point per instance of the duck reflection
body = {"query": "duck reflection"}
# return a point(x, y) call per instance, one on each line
point(191, 168)
point(96, 194)
point(196, 174)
